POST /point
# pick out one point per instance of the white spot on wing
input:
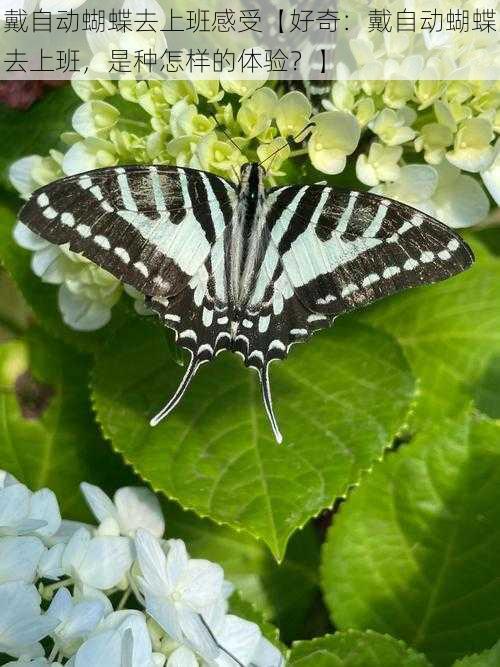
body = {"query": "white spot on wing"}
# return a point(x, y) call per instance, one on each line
point(68, 219)
point(122, 254)
point(103, 242)
point(84, 231)
point(42, 200)
point(50, 213)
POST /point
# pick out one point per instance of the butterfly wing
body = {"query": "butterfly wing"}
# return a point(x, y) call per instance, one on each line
point(157, 228)
point(330, 252)
point(152, 227)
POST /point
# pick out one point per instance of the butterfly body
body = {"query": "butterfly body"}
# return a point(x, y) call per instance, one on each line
point(243, 268)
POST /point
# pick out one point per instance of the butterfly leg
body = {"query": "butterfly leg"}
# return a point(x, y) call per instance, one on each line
point(266, 395)
point(193, 366)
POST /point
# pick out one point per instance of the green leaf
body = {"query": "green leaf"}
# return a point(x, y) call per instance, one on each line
point(36, 130)
point(489, 658)
point(47, 434)
point(340, 400)
point(42, 298)
point(450, 333)
point(296, 610)
point(355, 649)
point(414, 550)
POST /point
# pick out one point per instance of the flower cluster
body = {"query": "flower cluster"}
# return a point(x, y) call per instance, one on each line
point(64, 587)
point(423, 135)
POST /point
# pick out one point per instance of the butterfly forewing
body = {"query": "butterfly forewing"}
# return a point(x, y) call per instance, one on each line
point(152, 227)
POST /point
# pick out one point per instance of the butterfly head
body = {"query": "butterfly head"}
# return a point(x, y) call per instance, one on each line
point(252, 176)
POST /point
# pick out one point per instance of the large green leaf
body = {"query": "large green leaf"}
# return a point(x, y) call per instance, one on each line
point(287, 594)
point(414, 550)
point(340, 400)
point(489, 658)
point(355, 649)
point(450, 333)
point(42, 298)
point(47, 434)
point(36, 130)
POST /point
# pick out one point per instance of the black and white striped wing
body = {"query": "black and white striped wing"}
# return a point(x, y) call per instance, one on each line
point(153, 227)
point(333, 251)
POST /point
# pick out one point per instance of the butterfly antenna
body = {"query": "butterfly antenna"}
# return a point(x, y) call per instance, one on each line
point(268, 402)
point(289, 142)
point(181, 389)
point(228, 136)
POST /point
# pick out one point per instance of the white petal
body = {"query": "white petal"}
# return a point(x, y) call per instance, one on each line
point(177, 560)
point(20, 174)
point(106, 561)
point(48, 264)
point(83, 619)
point(27, 239)
point(61, 605)
point(14, 504)
point(75, 551)
point(201, 583)
point(66, 531)
point(240, 638)
point(165, 614)
point(44, 506)
point(81, 313)
point(99, 503)
point(197, 634)
point(19, 557)
point(182, 657)
point(138, 507)
point(50, 563)
point(102, 649)
point(267, 655)
point(153, 563)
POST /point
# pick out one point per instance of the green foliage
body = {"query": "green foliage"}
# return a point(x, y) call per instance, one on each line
point(332, 395)
point(47, 434)
point(36, 130)
point(489, 658)
point(355, 649)
point(414, 551)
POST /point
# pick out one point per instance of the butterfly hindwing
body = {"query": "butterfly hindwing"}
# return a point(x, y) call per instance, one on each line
point(152, 227)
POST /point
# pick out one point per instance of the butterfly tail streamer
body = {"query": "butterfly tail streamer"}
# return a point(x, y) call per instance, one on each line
point(193, 366)
point(266, 395)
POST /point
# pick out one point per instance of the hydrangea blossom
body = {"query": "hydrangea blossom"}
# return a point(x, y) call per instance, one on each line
point(68, 583)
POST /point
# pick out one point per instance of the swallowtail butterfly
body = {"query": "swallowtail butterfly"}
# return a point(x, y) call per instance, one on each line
point(242, 268)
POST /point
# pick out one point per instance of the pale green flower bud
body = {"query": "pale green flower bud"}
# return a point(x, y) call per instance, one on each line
point(179, 89)
point(343, 96)
point(95, 119)
point(257, 112)
point(364, 110)
point(131, 89)
point(241, 88)
point(279, 149)
point(89, 154)
point(434, 138)
point(219, 156)
point(444, 116)
point(398, 93)
point(381, 164)
point(373, 87)
point(92, 89)
point(393, 126)
point(428, 91)
point(472, 149)
point(128, 146)
point(210, 89)
point(334, 137)
point(292, 113)
point(182, 150)
point(458, 91)
point(186, 121)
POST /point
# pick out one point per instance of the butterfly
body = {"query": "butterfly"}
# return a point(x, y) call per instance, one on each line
point(241, 267)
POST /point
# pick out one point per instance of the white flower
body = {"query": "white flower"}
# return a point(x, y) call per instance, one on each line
point(178, 590)
point(22, 625)
point(131, 508)
point(100, 562)
point(90, 153)
point(335, 136)
point(472, 150)
point(95, 118)
point(441, 191)
point(292, 113)
point(381, 164)
point(393, 127)
point(23, 512)
point(19, 558)
point(77, 619)
point(491, 176)
point(257, 112)
point(120, 639)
